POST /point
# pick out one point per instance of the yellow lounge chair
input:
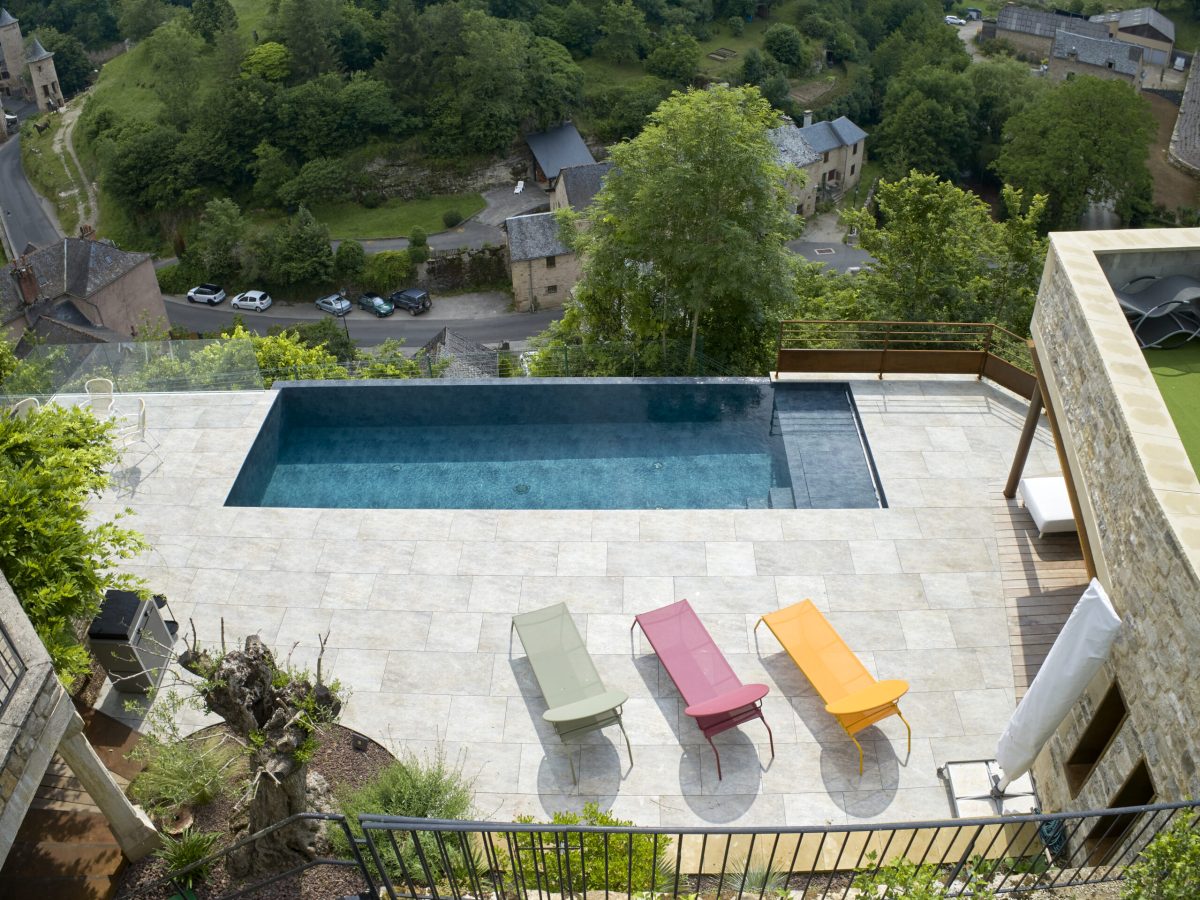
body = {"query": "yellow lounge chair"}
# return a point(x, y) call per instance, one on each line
point(851, 693)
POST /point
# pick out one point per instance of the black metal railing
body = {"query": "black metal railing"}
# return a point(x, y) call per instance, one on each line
point(442, 860)
point(429, 859)
point(12, 668)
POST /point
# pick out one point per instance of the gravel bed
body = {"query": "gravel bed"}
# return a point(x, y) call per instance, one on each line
point(343, 767)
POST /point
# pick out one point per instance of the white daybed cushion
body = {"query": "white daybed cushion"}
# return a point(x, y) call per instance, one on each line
point(1048, 503)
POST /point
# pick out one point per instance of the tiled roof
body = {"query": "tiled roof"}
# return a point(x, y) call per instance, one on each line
point(1043, 23)
point(826, 136)
point(73, 267)
point(1133, 18)
point(792, 148)
point(584, 182)
point(558, 149)
point(1102, 52)
point(534, 236)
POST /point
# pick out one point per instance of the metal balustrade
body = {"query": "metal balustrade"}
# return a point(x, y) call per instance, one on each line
point(12, 668)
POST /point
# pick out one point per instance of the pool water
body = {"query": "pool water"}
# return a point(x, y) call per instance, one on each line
point(549, 444)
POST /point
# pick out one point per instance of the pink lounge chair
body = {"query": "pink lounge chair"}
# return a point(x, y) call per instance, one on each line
point(715, 696)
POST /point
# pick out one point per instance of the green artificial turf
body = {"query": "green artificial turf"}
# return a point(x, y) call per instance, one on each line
point(1178, 375)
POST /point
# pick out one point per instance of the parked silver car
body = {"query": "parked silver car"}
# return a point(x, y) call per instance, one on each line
point(334, 304)
point(255, 300)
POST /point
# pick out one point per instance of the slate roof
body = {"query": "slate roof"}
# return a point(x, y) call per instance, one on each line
point(584, 182)
point(558, 149)
point(72, 267)
point(37, 52)
point(826, 136)
point(6, 18)
point(1133, 18)
point(1125, 58)
point(534, 237)
point(467, 358)
point(793, 149)
point(1044, 23)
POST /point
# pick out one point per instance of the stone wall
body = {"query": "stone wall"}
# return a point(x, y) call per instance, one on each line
point(1033, 46)
point(1139, 499)
point(538, 287)
point(1061, 68)
point(454, 271)
point(33, 722)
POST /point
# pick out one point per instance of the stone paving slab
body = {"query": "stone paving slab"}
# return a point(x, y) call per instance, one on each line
point(419, 626)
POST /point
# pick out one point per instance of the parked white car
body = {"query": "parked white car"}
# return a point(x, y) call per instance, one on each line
point(253, 300)
point(955, 20)
point(206, 293)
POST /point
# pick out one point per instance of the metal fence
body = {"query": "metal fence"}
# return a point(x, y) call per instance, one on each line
point(12, 668)
point(426, 859)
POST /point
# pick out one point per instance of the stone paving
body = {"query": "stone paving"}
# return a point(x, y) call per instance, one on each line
point(417, 605)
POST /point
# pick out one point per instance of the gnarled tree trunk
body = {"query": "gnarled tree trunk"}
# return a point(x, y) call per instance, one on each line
point(277, 718)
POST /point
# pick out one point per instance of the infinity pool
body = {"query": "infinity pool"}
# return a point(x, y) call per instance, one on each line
point(551, 444)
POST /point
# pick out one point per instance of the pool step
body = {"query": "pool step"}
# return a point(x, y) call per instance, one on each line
point(781, 498)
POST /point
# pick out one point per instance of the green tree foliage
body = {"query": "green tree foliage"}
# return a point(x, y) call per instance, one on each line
point(928, 123)
point(319, 181)
point(285, 357)
point(58, 563)
point(555, 83)
point(148, 167)
point(387, 272)
point(941, 257)
point(676, 58)
point(210, 17)
point(326, 334)
point(138, 18)
point(306, 28)
point(1169, 867)
point(174, 53)
point(624, 34)
point(757, 67)
point(705, 165)
point(216, 241)
point(349, 263)
point(271, 172)
point(269, 61)
point(784, 43)
point(905, 880)
point(620, 110)
point(1085, 141)
point(70, 61)
point(297, 252)
point(93, 22)
point(389, 360)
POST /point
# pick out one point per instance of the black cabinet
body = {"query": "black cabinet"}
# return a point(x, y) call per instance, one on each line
point(132, 640)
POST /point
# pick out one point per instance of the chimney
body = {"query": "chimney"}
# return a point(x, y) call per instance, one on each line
point(26, 282)
point(87, 232)
point(807, 117)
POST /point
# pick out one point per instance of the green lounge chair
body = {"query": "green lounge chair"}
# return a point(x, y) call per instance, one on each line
point(567, 677)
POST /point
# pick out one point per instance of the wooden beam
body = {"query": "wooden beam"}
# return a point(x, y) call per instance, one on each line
point(1025, 441)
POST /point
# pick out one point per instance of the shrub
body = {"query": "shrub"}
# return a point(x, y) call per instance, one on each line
point(736, 25)
point(451, 217)
point(428, 788)
point(175, 279)
point(387, 271)
point(418, 255)
point(190, 847)
point(180, 770)
point(417, 237)
point(904, 880)
point(1169, 867)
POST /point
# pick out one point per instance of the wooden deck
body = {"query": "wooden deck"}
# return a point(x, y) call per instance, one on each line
point(1043, 579)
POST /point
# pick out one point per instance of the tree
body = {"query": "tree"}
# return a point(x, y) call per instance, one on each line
point(70, 61)
point(676, 58)
point(688, 234)
point(785, 44)
point(276, 712)
point(624, 33)
point(174, 55)
point(1085, 141)
point(59, 563)
point(306, 27)
point(138, 18)
point(387, 271)
point(270, 61)
point(319, 181)
point(621, 109)
point(388, 360)
point(757, 67)
point(349, 263)
point(210, 17)
point(928, 124)
point(148, 168)
point(216, 240)
point(285, 357)
point(271, 172)
point(322, 334)
point(555, 83)
point(297, 252)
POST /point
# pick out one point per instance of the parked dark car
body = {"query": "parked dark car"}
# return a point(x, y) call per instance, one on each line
point(376, 304)
point(414, 300)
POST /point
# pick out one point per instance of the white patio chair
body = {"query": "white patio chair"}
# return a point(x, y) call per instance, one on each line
point(100, 395)
point(133, 433)
point(24, 408)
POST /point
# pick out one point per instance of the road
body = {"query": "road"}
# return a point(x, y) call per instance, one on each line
point(26, 219)
point(365, 328)
point(834, 254)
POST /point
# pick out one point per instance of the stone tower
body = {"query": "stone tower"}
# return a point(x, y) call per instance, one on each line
point(43, 76)
point(12, 51)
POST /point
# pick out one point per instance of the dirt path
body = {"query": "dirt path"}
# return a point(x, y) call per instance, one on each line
point(1172, 187)
point(86, 202)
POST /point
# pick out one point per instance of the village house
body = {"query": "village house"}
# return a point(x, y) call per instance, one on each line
point(1032, 31)
point(1077, 54)
point(543, 268)
point(830, 154)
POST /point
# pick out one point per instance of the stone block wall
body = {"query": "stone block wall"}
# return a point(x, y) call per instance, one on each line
point(537, 286)
point(1033, 46)
point(1141, 505)
point(452, 271)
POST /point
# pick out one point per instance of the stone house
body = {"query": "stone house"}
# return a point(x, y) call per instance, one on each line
point(555, 150)
point(78, 291)
point(578, 185)
point(1145, 27)
point(831, 155)
point(27, 73)
point(1031, 31)
point(1077, 54)
point(543, 268)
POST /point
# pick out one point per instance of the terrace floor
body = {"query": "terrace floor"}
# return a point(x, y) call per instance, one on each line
point(417, 605)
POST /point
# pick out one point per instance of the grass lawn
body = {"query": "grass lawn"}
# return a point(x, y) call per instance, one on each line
point(123, 87)
point(600, 71)
point(752, 36)
point(50, 174)
point(395, 218)
point(1178, 375)
point(250, 15)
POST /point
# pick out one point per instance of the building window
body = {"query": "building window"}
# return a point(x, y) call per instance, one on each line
point(551, 262)
point(552, 289)
point(825, 156)
point(855, 150)
point(1106, 722)
point(852, 170)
